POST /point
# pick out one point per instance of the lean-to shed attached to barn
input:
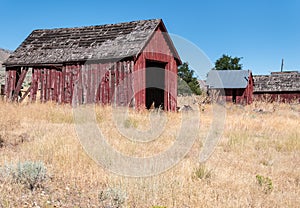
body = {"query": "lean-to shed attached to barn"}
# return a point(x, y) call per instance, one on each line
point(132, 63)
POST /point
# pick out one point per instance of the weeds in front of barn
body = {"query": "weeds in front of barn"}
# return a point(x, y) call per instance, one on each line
point(258, 154)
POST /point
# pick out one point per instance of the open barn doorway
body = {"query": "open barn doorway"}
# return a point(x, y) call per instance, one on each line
point(234, 95)
point(155, 84)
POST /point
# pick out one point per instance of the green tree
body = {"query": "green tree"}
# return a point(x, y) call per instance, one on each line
point(228, 63)
point(187, 82)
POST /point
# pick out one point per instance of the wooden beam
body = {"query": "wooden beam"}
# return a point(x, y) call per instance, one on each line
point(19, 84)
point(26, 93)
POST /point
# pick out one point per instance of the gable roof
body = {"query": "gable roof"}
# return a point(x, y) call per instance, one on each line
point(229, 79)
point(277, 81)
point(110, 41)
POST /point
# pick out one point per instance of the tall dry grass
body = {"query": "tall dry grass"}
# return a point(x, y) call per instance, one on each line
point(258, 140)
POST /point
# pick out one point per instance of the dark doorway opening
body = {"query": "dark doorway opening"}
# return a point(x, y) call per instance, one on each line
point(234, 95)
point(155, 84)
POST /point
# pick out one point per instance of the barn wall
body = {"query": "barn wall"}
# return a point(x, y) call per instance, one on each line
point(240, 95)
point(243, 95)
point(156, 50)
point(102, 83)
point(277, 96)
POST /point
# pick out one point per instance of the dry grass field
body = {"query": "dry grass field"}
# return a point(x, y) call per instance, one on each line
point(255, 164)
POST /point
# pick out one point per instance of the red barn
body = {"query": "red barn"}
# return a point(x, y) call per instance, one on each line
point(132, 63)
point(279, 86)
point(235, 85)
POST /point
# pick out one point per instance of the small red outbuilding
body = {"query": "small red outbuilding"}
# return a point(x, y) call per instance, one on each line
point(235, 85)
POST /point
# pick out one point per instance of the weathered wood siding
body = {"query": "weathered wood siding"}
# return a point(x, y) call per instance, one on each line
point(282, 96)
point(156, 50)
point(102, 83)
point(10, 82)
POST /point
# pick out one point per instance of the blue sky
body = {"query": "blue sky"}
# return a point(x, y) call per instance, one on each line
point(261, 31)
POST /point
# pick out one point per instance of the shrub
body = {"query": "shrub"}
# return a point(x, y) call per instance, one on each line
point(112, 198)
point(265, 182)
point(29, 173)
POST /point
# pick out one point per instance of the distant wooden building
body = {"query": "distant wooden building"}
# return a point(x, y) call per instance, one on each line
point(108, 64)
point(279, 86)
point(202, 85)
point(235, 85)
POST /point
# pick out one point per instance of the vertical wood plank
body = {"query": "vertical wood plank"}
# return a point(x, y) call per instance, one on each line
point(79, 68)
point(47, 81)
point(121, 86)
point(84, 82)
point(106, 85)
point(131, 84)
point(88, 83)
point(57, 85)
point(63, 77)
point(42, 85)
point(94, 81)
point(55, 78)
point(112, 84)
point(102, 83)
point(98, 84)
point(8, 81)
point(65, 87)
point(72, 82)
point(59, 80)
point(117, 83)
point(167, 92)
point(137, 81)
point(143, 84)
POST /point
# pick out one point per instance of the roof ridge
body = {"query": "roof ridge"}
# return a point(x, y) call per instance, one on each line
point(93, 26)
point(231, 70)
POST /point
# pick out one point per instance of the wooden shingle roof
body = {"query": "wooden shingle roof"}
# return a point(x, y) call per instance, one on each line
point(110, 41)
point(277, 82)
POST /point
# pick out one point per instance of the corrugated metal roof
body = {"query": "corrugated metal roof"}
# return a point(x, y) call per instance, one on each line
point(111, 41)
point(227, 79)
